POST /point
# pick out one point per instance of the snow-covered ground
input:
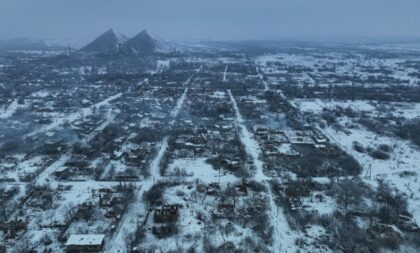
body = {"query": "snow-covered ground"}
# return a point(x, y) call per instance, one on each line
point(332, 66)
point(404, 156)
point(8, 110)
point(198, 168)
point(316, 105)
point(161, 65)
point(373, 108)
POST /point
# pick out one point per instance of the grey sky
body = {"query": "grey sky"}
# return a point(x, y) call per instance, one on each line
point(211, 19)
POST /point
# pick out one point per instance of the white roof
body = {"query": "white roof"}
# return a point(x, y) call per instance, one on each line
point(85, 240)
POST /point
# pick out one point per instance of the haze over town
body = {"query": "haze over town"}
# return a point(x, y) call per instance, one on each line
point(212, 20)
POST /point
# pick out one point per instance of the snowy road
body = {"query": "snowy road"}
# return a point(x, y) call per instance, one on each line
point(262, 78)
point(43, 177)
point(225, 73)
point(282, 234)
point(155, 165)
point(251, 145)
point(129, 222)
point(179, 104)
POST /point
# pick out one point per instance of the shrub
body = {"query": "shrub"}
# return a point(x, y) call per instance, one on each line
point(385, 148)
point(380, 155)
point(155, 193)
point(349, 165)
point(358, 147)
point(410, 131)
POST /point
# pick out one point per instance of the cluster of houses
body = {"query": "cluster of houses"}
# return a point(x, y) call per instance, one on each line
point(279, 144)
point(110, 204)
point(270, 139)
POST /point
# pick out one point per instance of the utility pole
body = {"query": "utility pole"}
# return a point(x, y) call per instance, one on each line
point(369, 172)
point(68, 50)
point(219, 175)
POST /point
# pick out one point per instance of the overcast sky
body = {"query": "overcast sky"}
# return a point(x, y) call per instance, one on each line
point(211, 19)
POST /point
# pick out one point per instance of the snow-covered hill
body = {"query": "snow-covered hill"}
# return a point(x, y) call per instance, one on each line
point(108, 43)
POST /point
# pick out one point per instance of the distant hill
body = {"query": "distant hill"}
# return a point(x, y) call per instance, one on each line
point(24, 44)
point(141, 44)
point(107, 43)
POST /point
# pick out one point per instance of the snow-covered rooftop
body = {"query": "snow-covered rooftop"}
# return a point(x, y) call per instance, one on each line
point(85, 240)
